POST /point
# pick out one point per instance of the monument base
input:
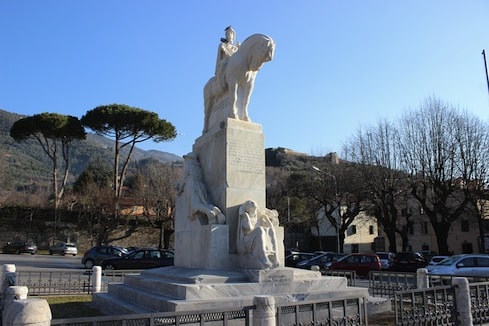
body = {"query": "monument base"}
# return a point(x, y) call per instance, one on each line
point(171, 289)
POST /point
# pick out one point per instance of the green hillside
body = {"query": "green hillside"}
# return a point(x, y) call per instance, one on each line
point(24, 164)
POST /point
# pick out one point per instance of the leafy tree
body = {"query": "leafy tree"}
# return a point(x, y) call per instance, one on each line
point(128, 126)
point(96, 173)
point(55, 133)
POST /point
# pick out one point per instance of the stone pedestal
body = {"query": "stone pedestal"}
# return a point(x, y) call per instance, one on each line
point(202, 246)
point(232, 160)
point(233, 163)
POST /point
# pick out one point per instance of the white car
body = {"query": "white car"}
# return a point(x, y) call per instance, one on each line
point(63, 248)
point(435, 260)
point(471, 265)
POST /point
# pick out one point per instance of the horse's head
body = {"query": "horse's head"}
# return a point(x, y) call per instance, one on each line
point(260, 50)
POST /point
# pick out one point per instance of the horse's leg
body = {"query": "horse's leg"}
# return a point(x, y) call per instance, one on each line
point(233, 100)
point(245, 99)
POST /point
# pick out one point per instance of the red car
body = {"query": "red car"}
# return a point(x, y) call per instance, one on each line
point(360, 263)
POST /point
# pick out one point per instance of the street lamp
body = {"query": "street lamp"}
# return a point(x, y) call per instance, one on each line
point(338, 219)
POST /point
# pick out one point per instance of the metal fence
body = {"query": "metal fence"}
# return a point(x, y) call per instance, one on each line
point(351, 276)
point(431, 306)
point(386, 284)
point(438, 280)
point(345, 311)
point(66, 282)
point(438, 305)
point(207, 317)
point(479, 302)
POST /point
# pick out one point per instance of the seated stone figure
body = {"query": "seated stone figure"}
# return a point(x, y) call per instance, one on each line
point(192, 194)
point(256, 238)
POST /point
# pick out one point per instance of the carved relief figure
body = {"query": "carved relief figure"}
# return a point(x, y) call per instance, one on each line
point(257, 236)
point(192, 193)
point(238, 77)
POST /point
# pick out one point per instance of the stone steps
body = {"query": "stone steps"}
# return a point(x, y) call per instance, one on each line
point(111, 305)
point(184, 289)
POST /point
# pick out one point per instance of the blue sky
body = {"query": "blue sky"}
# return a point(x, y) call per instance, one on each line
point(337, 65)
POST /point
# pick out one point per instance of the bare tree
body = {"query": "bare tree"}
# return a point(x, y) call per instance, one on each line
point(441, 151)
point(153, 184)
point(473, 145)
point(333, 189)
point(376, 151)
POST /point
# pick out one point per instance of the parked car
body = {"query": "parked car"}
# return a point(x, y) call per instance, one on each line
point(436, 259)
point(428, 254)
point(294, 257)
point(322, 260)
point(19, 247)
point(63, 248)
point(131, 249)
point(473, 265)
point(408, 262)
point(386, 259)
point(95, 255)
point(362, 264)
point(143, 258)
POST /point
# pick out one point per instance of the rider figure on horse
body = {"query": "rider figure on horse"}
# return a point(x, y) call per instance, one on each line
point(225, 50)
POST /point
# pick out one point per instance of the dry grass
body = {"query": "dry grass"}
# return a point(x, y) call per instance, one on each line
point(72, 306)
point(387, 318)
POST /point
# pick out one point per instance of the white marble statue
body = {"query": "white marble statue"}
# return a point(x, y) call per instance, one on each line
point(256, 236)
point(225, 50)
point(192, 193)
point(235, 75)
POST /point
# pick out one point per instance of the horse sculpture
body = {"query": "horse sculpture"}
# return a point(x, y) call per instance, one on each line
point(239, 74)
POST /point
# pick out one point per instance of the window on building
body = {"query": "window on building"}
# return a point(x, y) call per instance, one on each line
point(411, 229)
point(353, 229)
point(467, 248)
point(354, 248)
point(425, 227)
point(465, 225)
point(371, 229)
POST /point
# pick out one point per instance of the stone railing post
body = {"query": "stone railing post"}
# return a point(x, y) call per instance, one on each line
point(8, 277)
point(15, 293)
point(462, 298)
point(264, 314)
point(34, 312)
point(422, 281)
point(97, 278)
point(4, 269)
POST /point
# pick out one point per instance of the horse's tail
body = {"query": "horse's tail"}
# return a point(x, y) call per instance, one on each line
point(209, 94)
point(209, 90)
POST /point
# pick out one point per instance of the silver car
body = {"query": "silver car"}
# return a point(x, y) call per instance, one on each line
point(475, 265)
point(63, 248)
